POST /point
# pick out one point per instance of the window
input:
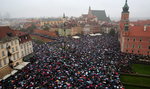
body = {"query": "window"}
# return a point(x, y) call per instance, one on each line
point(6, 44)
point(5, 62)
point(128, 39)
point(134, 39)
point(14, 57)
point(16, 48)
point(21, 47)
point(13, 50)
point(133, 46)
point(126, 50)
point(149, 47)
point(30, 43)
point(140, 39)
point(138, 51)
point(132, 51)
point(17, 55)
point(2, 46)
point(126, 28)
point(15, 41)
point(127, 45)
point(12, 42)
point(30, 50)
point(139, 46)
point(26, 37)
point(3, 53)
point(22, 53)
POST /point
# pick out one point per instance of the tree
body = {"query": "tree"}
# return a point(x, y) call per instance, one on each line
point(112, 32)
point(31, 28)
point(46, 27)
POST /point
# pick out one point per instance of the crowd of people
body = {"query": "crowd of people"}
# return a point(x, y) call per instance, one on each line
point(91, 62)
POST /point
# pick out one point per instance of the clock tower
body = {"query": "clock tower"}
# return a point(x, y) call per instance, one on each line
point(125, 20)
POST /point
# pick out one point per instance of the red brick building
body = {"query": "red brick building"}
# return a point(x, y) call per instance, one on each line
point(134, 37)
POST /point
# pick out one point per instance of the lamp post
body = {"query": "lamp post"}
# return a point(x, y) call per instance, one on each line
point(64, 29)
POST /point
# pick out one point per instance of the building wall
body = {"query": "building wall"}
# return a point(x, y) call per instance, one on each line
point(76, 30)
point(106, 29)
point(137, 45)
point(51, 22)
point(17, 50)
point(26, 48)
point(86, 30)
point(61, 32)
point(4, 60)
point(125, 16)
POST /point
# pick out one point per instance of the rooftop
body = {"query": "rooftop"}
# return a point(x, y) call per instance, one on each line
point(100, 14)
point(24, 37)
point(6, 31)
point(140, 31)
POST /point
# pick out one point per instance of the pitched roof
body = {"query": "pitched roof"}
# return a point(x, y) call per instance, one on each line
point(19, 33)
point(100, 14)
point(41, 38)
point(138, 31)
point(6, 31)
point(141, 22)
point(23, 36)
point(49, 33)
point(51, 19)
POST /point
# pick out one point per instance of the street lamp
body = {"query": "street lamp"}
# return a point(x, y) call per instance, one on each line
point(64, 29)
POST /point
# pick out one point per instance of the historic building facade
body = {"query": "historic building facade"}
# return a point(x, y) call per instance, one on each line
point(10, 50)
point(133, 38)
point(25, 43)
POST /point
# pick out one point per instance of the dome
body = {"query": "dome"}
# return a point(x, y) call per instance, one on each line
point(126, 7)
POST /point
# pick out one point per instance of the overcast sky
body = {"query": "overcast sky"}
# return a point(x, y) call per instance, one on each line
point(55, 8)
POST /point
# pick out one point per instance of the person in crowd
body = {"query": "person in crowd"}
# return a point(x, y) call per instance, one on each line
point(91, 62)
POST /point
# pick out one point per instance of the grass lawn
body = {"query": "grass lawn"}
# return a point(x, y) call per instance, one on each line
point(141, 69)
point(137, 80)
point(145, 81)
point(134, 87)
point(33, 37)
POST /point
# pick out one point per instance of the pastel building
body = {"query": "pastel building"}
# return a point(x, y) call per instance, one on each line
point(11, 56)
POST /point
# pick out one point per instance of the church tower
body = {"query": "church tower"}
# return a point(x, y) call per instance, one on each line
point(125, 18)
point(124, 26)
point(90, 11)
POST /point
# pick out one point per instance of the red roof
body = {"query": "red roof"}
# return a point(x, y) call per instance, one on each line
point(138, 31)
point(5, 31)
point(41, 38)
point(49, 33)
point(19, 33)
point(24, 37)
point(141, 22)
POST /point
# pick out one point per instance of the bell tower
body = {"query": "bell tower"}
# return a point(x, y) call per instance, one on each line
point(125, 12)
point(89, 12)
point(124, 26)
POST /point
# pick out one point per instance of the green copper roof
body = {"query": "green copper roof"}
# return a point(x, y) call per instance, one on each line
point(126, 7)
